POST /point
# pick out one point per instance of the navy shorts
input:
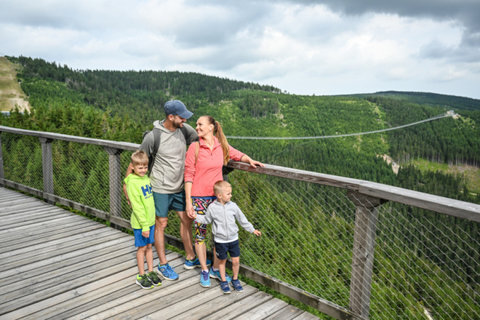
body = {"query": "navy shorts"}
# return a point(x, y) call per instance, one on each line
point(168, 201)
point(233, 248)
point(140, 240)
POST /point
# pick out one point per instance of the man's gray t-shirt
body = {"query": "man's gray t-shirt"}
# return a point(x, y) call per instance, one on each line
point(169, 165)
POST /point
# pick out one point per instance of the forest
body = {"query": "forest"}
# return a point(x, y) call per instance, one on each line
point(121, 105)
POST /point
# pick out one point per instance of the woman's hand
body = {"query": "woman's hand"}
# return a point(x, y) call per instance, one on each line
point(255, 163)
point(251, 162)
point(189, 209)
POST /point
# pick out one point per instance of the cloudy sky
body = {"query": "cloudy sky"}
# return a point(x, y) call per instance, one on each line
point(302, 47)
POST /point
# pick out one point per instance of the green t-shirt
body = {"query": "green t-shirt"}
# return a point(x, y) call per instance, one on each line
point(141, 198)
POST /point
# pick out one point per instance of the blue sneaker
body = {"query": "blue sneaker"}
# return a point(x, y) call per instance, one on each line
point(190, 264)
point(195, 263)
point(225, 287)
point(204, 279)
point(167, 272)
point(236, 285)
point(216, 275)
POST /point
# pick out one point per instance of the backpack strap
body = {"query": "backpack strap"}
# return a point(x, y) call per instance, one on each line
point(156, 144)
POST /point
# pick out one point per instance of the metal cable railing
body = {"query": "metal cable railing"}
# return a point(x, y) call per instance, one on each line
point(331, 242)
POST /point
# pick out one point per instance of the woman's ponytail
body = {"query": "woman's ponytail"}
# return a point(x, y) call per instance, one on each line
point(223, 141)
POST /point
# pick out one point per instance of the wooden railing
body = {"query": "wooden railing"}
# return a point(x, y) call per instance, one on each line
point(367, 197)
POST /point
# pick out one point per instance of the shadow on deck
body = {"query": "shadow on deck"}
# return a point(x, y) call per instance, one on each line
point(55, 264)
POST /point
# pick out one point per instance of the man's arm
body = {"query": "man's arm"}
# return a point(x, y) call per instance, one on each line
point(189, 133)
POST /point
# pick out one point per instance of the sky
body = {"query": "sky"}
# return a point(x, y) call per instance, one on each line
point(301, 47)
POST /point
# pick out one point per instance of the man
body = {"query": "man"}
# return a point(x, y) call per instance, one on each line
point(166, 179)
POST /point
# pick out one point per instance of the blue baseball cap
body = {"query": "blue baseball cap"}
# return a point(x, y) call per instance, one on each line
point(177, 108)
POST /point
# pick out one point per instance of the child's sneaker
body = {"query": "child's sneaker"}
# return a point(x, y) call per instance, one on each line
point(154, 279)
point(204, 279)
point(236, 285)
point(144, 282)
point(225, 287)
point(167, 272)
point(215, 274)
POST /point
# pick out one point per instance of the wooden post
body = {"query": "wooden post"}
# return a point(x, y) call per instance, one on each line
point(47, 165)
point(2, 173)
point(363, 251)
point(115, 181)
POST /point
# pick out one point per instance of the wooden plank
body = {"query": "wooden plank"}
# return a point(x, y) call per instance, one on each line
point(58, 258)
point(241, 306)
point(35, 218)
point(36, 224)
point(39, 227)
point(306, 316)
point(30, 213)
point(158, 300)
point(287, 313)
point(70, 264)
point(65, 137)
point(57, 243)
point(46, 281)
point(213, 305)
point(61, 232)
point(55, 291)
point(51, 225)
point(201, 297)
point(111, 295)
point(35, 303)
point(59, 249)
point(168, 292)
point(263, 310)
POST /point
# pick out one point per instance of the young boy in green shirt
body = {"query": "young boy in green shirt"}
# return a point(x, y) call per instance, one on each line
point(142, 219)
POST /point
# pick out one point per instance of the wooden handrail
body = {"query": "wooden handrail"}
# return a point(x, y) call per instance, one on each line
point(452, 207)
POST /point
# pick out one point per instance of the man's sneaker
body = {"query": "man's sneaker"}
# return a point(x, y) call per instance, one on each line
point(215, 274)
point(225, 287)
point(236, 285)
point(195, 263)
point(154, 279)
point(204, 279)
point(144, 282)
point(190, 264)
point(167, 272)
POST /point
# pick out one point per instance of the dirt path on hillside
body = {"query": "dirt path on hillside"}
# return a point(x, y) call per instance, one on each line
point(11, 94)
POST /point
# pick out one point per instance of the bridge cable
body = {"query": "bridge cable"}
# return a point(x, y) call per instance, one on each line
point(445, 115)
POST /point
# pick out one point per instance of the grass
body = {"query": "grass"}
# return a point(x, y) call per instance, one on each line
point(471, 173)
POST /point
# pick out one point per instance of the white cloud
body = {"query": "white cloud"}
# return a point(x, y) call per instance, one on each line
point(299, 48)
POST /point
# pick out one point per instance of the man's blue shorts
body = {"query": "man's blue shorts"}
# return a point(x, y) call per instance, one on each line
point(233, 248)
point(141, 241)
point(165, 202)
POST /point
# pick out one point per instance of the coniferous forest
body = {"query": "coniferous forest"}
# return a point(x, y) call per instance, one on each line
point(121, 105)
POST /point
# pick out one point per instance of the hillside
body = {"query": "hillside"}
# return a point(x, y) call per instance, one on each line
point(11, 94)
point(434, 99)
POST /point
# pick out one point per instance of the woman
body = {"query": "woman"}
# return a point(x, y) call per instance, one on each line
point(203, 167)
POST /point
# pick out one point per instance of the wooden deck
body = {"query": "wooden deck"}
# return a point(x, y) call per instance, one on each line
point(55, 264)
